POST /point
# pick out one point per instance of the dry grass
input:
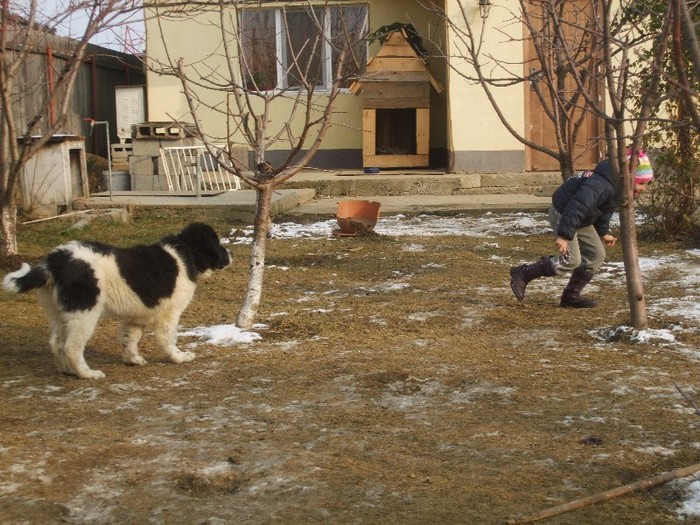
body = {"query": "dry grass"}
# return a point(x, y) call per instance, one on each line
point(390, 386)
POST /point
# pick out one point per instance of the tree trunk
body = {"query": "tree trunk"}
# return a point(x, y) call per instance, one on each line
point(566, 166)
point(8, 223)
point(630, 255)
point(261, 227)
point(690, 37)
point(630, 250)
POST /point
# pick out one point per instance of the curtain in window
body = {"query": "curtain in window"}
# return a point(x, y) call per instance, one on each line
point(348, 30)
point(258, 47)
point(304, 43)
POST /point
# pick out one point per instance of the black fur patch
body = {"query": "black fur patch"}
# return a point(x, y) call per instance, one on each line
point(149, 271)
point(76, 284)
point(35, 278)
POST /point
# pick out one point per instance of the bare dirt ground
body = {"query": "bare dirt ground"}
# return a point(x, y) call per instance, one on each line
point(397, 381)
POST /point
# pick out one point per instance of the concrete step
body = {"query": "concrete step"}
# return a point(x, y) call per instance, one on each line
point(358, 184)
point(429, 204)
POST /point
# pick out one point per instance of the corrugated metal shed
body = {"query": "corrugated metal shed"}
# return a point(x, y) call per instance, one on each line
point(94, 91)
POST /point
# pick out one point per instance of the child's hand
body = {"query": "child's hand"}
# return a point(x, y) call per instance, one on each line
point(562, 246)
point(609, 240)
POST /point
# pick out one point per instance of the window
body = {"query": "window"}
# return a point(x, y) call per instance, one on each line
point(283, 46)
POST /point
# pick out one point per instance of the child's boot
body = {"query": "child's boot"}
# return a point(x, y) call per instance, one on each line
point(571, 298)
point(523, 274)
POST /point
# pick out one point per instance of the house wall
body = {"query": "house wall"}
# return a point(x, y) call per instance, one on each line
point(196, 39)
point(479, 141)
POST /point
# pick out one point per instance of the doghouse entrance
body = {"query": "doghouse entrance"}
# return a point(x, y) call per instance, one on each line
point(395, 137)
point(396, 132)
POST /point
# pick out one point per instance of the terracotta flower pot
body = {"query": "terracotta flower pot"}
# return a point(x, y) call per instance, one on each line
point(357, 217)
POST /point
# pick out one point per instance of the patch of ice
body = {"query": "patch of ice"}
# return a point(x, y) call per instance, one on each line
point(386, 287)
point(690, 507)
point(422, 316)
point(288, 345)
point(622, 391)
point(320, 311)
point(567, 421)
point(85, 394)
point(378, 320)
point(172, 409)
point(631, 335)
point(661, 451)
point(9, 487)
point(223, 335)
point(648, 335)
point(470, 225)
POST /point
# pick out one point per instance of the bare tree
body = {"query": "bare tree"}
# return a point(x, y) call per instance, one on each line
point(674, 202)
point(618, 73)
point(24, 29)
point(266, 100)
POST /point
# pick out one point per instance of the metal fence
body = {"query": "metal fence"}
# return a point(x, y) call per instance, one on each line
point(193, 168)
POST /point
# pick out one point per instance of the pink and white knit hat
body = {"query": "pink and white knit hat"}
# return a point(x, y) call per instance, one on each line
point(644, 171)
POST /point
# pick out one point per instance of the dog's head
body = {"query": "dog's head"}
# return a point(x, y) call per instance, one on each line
point(205, 248)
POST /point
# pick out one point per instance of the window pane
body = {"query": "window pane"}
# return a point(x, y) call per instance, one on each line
point(258, 47)
point(348, 30)
point(303, 57)
point(304, 43)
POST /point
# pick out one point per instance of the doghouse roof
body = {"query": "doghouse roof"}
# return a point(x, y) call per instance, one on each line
point(396, 61)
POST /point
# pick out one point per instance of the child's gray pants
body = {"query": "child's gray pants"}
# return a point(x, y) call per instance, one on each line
point(586, 248)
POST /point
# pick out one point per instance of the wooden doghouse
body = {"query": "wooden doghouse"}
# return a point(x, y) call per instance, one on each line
point(395, 92)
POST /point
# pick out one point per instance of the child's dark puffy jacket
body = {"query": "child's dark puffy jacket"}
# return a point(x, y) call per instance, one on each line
point(586, 199)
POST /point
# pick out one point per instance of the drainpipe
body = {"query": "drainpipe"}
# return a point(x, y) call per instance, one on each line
point(93, 106)
point(49, 74)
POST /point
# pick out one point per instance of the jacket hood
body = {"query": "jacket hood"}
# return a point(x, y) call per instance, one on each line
point(604, 168)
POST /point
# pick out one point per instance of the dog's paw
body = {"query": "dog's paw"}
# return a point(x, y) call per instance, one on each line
point(90, 374)
point(181, 357)
point(135, 360)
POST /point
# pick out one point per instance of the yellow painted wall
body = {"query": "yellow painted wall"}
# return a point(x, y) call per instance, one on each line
point(474, 123)
point(191, 39)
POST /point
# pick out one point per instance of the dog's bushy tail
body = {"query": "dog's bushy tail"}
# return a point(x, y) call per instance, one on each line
point(25, 279)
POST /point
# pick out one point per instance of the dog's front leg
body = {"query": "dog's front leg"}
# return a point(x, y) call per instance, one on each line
point(166, 339)
point(131, 335)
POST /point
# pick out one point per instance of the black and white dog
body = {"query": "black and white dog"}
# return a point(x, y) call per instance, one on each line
point(147, 285)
